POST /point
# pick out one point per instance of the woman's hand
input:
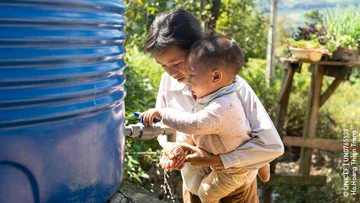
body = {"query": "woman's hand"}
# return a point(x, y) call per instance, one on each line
point(200, 157)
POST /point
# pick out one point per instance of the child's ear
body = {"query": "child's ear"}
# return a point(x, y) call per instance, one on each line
point(217, 76)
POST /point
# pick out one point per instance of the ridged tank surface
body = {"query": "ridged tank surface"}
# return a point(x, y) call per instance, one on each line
point(61, 100)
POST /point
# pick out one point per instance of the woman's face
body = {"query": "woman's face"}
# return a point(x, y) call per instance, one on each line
point(173, 60)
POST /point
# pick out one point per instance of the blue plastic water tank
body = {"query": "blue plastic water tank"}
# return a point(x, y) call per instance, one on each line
point(61, 100)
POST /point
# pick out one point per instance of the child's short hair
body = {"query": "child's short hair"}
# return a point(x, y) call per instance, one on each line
point(218, 51)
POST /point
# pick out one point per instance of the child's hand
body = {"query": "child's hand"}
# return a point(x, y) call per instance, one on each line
point(166, 163)
point(173, 158)
point(149, 115)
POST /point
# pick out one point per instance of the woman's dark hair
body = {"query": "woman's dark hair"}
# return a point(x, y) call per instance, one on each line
point(176, 27)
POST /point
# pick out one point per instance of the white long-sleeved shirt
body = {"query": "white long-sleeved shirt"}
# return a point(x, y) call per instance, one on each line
point(264, 146)
point(218, 124)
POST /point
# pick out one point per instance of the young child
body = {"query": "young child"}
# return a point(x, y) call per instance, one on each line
point(218, 123)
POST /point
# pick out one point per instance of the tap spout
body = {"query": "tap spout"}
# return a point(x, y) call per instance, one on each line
point(149, 132)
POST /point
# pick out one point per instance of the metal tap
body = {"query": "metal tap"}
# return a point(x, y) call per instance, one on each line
point(149, 132)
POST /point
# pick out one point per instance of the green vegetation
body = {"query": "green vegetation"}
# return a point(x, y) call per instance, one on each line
point(338, 28)
point(343, 27)
point(314, 44)
point(239, 19)
point(141, 95)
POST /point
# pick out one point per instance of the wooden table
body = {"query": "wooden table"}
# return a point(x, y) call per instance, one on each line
point(340, 71)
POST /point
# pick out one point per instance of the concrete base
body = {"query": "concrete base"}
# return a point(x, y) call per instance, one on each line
point(131, 193)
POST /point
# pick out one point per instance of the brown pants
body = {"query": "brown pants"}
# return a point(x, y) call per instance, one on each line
point(246, 194)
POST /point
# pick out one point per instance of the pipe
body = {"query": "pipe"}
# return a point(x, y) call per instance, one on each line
point(149, 132)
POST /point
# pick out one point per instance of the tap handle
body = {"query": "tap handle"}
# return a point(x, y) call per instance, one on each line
point(137, 114)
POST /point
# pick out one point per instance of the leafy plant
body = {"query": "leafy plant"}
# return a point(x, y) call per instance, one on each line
point(344, 41)
point(311, 31)
point(311, 35)
point(340, 28)
point(343, 27)
point(312, 44)
point(141, 95)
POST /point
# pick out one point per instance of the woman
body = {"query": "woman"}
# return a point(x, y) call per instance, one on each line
point(170, 38)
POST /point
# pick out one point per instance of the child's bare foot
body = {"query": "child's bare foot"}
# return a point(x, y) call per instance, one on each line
point(264, 173)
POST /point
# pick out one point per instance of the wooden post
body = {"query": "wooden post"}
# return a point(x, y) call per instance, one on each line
point(331, 89)
point(280, 120)
point(270, 52)
point(284, 98)
point(295, 179)
point(330, 145)
point(283, 103)
point(311, 116)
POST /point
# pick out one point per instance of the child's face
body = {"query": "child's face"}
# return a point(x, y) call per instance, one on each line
point(200, 79)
